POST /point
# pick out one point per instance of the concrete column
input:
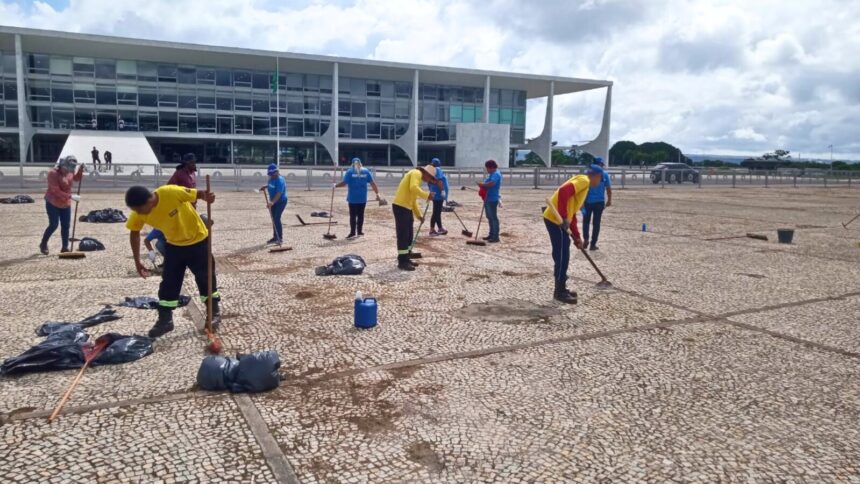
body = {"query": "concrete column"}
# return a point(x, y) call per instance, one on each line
point(542, 145)
point(388, 146)
point(599, 146)
point(409, 141)
point(486, 117)
point(25, 129)
point(329, 139)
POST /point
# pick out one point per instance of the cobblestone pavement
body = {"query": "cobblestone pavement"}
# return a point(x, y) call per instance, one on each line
point(712, 358)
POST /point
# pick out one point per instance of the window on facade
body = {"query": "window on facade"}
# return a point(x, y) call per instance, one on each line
point(295, 127)
point(344, 108)
point(242, 124)
point(507, 98)
point(126, 121)
point(373, 89)
point(225, 124)
point(312, 105)
point(167, 73)
point(403, 89)
point(167, 121)
point(295, 106)
point(187, 123)
point(325, 84)
point(63, 118)
point(11, 117)
point(206, 99)
point(428, 133)
point(469, 95)
point(38, 63)
point(312, 127)
point(295, 82)
point(148, 121)
point(428, 91)
point(325, 106)
point(261, 125)
point(166, 98)
point(455, 113)
point(85, 93)
point(359, 130)
point(106, 120)
point(387, 109)
point(428, 111)
point(10, 89)
point(61, 66)
point(106, 69)
point(261, 103)
point(359, 109)
point(85, 119)
point(187, 99)
point(386, 89)
point(147, 72)
point(441, 112)
point(343, 129)
point(374, 109)
point(224, 102)
point(147, 96)
point(506, 115)
point(358, 87)
point(261, 80)
point(401, 110)
point(495, 97)
point(470, 114)
point(519, 117)
point(494, 115)
point(205, 76)
point(442, 132)
point(7, 62)
point(39, 90)
point(223, 77)
point(241, 78)
point(83, 67)
point(312, 83)
point(40, 116)
point(126, 70)
point(106, 94)
point(186, 74)
point(520, 99)
point(518, 136)
point(374, 130)
point(242, 103)
point(343, 86)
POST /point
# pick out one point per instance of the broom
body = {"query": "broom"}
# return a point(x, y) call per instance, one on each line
point(279, 248)
point(214, 345)
point(72, 254)
point(417, 255)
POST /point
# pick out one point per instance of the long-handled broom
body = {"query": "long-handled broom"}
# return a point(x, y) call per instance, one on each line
point(89, 356)
point(280, 247)
point(328, 235)
point(478, 231)
point(214, 345)
point(604, 283)
point(466, 232)
point(417, 255)
point(72, 254)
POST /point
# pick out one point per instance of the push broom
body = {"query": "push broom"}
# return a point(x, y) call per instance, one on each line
point(279, 248)
point(604, 283)
point(417, 255)
point(214, 345)
point(89, 355)
point(466, 232)
point(72, 254)
point(328, 235)
point(478, 230)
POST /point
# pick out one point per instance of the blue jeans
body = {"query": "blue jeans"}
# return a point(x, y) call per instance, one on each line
point(160, 247)
point(277, 211)
point(560, 241)
point(593, 212)
point(492, 209)
point(57, 216)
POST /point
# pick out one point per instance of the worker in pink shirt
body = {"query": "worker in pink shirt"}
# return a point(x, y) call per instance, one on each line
point(58, 200)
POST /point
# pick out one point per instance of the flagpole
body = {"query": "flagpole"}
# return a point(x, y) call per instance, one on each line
point(278, 111)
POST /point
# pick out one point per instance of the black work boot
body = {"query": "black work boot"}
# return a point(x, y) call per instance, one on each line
point(216, 314)
point(404, 264)
point(561, 294)
point(43, 247)
point(164, 323)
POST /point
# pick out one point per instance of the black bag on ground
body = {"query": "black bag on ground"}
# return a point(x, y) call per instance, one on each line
point(89, 244)
point(123, 349)
point(148, 302)
point(104, 216)
point(17, 199)
point(257, 372)
point(59, 351)
point(345, 265)
point(103, 316)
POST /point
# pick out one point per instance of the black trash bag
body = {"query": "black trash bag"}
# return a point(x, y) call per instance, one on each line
point(51, 327)
point(147, 302)
point(257, 372)
point(104, 216)
point(61, 350)
point(17, 199)
point(452, 203)
point(319, 214)
point(216, 373)
point(103, 316)
point(89, 244)
point(123, 349)
point(345, 265)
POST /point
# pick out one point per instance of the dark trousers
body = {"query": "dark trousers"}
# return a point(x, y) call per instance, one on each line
point(593, 214)
point(57, 216)
point(277, 211)
point(492, 209)
point(403, 220)
point(176, 260)
point(436, 218)
point(356, 218)
point(560, 241)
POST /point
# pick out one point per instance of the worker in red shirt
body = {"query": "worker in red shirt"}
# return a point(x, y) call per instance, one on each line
point(58, 200)
point(186, 172)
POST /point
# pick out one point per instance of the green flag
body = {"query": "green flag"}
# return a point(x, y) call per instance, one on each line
point(274, 83)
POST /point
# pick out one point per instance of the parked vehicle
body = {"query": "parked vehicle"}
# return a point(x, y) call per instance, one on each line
point(675, 173)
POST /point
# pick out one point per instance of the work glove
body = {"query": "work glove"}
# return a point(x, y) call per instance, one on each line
point(151, 255)
point(76, 198)
point(444, 195)
point(565, 226)
point(333, 186)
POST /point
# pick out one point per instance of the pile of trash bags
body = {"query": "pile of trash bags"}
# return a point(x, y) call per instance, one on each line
point(147, 302)
point(67, 348)
point(104, 216)
point(257, 372)
point(103, 316)
point(345, 265)
point(17, 199)
point(89, 244)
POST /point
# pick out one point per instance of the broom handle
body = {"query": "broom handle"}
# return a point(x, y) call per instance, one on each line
point(423, 218)
point(271, 216)
point(75, 220)
point(96, 350)
point(478, 230)
point(208, 260)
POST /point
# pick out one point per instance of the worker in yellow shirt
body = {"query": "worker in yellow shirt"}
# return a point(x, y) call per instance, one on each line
point(405, 207)
point(170, 210)
point(560, 220)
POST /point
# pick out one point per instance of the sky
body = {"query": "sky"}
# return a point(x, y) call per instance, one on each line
point(708, 76)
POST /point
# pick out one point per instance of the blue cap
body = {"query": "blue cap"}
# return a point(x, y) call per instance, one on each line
point(273, 168)
point(599, 161)
point(356, 160)
point(436, 162)
point(594, 170)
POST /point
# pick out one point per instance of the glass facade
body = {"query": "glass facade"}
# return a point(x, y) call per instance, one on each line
point(67, 93)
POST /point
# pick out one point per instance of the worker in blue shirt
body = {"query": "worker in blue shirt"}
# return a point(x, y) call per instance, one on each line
point(356, 179)
point(492, 184)
point(440, 195)
point(277, 188)
point(160, 240)
point(599, 198)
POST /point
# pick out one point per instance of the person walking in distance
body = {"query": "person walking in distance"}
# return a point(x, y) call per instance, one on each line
point(169, 210)
point(97, 163)
point(356, 179)
point(559, 218)
point(406, 210)
point(58, 200)
point(599, 198)
point(440, 195)
point(277, 188)
point(492, 184)
point(108, 160)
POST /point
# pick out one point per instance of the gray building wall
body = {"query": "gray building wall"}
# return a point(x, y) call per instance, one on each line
point(479, 142)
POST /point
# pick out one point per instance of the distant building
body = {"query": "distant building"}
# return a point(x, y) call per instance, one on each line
point(227, 105)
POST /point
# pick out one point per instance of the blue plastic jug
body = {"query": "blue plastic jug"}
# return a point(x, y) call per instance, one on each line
point(365, 313)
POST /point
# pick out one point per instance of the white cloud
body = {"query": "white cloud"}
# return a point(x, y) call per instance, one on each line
point(706, 75)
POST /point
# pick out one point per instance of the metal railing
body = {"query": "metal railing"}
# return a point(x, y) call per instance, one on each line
point(244, 177)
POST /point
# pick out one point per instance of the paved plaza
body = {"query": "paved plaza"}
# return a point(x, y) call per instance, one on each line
point(712, 359)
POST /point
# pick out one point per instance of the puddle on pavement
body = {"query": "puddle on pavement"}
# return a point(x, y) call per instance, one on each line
point(507, 311)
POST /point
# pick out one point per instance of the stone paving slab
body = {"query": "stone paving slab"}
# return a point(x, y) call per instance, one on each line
point(194, 440)
point(695, 402)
